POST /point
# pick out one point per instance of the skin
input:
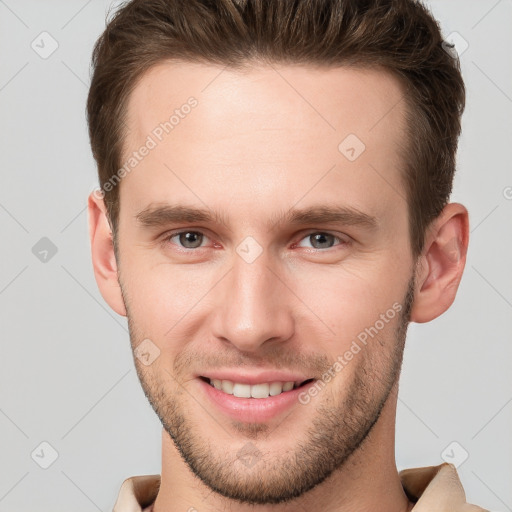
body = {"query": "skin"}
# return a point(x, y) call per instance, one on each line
point(259, 143)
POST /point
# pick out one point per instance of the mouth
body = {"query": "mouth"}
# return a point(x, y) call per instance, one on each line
point(261, 390)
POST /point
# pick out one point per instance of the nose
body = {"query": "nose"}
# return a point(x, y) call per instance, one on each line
point(254, 306)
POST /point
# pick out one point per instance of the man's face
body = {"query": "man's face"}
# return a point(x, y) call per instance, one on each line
point(259, 293)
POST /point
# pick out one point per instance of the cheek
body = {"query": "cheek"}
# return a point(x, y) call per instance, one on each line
point(343, 302)
point(162, 297)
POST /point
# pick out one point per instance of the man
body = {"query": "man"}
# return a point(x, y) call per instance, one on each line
point(273, 213)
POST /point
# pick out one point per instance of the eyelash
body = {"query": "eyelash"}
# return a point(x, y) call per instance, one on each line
point(167, 240)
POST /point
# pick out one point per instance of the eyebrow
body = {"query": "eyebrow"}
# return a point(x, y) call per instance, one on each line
point(158, 216)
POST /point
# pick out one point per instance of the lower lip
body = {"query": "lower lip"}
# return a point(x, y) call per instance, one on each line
point(253, 410)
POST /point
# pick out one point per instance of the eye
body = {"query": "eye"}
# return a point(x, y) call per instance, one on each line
point(321, 240)
point(194, 240)
point(187, 239)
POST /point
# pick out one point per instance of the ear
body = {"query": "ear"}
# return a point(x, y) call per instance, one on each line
point(441, 264)
point(103, 257)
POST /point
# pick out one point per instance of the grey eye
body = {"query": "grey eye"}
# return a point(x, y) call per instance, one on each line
point(320, 240)
point(190, 239)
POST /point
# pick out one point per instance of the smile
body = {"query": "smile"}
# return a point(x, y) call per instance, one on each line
point(260, 390)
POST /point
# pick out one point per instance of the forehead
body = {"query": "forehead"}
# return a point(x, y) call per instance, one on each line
point(264, 129)
point(331, 99)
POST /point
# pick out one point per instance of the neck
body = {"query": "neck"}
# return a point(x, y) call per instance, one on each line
point(368, 481)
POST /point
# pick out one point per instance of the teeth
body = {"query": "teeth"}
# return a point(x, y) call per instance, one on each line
point(263, 390)
point(288, 386)
point(260, 390)
point(276, 388)
point(242, 390)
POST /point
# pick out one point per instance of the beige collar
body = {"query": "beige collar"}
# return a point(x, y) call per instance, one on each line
point(436, 488)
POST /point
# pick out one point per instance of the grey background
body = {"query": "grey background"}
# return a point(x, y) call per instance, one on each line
point(66, 371)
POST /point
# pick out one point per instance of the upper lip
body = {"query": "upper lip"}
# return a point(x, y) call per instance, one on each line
point(255, 378)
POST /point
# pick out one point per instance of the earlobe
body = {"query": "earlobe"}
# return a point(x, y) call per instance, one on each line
point(103, 257)
point(441, 264)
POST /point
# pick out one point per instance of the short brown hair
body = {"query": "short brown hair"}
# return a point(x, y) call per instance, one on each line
point(400, 36)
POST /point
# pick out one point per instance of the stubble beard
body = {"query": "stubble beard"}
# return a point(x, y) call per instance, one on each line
point(339, 427)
